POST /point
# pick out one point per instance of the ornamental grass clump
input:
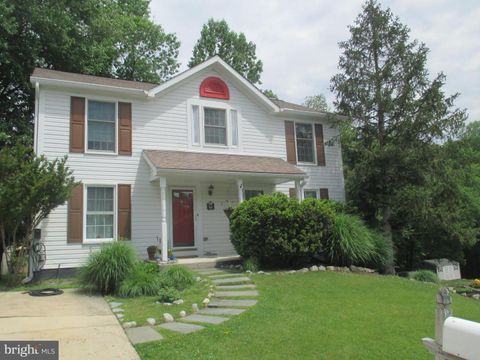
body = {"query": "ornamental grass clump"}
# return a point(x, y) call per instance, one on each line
point(107, 268)
point(176, 276)
point(143, 280)
point(351, 242)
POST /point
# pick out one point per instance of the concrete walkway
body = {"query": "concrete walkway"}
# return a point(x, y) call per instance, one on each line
point(84, 325)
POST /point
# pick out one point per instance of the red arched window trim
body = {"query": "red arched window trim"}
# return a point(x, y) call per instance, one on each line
point(214, 87)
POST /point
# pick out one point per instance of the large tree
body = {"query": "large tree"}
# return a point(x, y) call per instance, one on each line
point(97, 37)
point(317, 102)
point(216, 38)
point(397, 112)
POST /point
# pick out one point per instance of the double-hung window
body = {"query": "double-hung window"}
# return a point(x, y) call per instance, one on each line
point(215, 122)
point(100, 213)
point(307, 194)
point(101, 126)
point(252, 193)
point(305, 143)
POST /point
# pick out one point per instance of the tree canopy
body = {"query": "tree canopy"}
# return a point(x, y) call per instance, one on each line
point(216, 38)
point(96, 37)
point(397, 114)
point(317, 102)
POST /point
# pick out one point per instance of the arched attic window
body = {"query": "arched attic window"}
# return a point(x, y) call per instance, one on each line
point(214, 87)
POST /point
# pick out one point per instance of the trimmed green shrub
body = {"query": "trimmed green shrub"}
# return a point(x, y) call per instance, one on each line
point(168, 294)
point(424, 275)
point(107, 268)
point(251, 264)
point(350, 242)
point(143, 280)
point(278, 230)
point(176, 276)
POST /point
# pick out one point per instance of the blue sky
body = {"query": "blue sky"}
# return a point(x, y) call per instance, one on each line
point(297, 40)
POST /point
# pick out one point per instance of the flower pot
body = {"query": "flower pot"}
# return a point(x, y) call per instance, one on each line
point(151, 251)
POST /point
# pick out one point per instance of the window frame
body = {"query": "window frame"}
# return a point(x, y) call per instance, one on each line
point(252, 189)
point(314, 148)
point(227, 128)
point(216, 105)
point(101, 152)
point(85, 212)
point(317, 193)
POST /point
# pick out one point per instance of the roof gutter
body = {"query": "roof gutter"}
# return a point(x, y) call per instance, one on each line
point(89, 86)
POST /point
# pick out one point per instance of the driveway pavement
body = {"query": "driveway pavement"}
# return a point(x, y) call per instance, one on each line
point(84, 325)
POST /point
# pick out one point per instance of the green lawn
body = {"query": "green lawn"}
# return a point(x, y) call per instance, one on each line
point(321, 315)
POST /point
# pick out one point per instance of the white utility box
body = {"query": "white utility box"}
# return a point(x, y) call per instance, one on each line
point(446, 269)
point(461, 338)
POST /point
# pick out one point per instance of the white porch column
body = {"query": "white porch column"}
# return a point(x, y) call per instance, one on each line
point(299, 184)
point(163, 217)
point(240, 190)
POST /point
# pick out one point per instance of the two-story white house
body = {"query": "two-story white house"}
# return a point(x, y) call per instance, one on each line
point(158, 164)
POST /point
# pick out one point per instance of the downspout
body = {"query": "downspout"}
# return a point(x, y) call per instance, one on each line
point(29, 277)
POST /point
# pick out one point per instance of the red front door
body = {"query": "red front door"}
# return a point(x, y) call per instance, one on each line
point(182, 214)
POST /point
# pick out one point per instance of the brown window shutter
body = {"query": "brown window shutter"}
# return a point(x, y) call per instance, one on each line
point(124, 212)
point(290, 141)
point(292, 192)
point(77, 124)
point(75, 216)
point(124, 128)
point(320, 144)
point(324, 194)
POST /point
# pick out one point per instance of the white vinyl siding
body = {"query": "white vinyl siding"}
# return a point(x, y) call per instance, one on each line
point(101, 126)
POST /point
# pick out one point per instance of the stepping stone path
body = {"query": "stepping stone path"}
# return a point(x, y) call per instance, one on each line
point(229, 284)
point(138, 335)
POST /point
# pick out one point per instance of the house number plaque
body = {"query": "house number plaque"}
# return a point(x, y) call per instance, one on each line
point(210, 205)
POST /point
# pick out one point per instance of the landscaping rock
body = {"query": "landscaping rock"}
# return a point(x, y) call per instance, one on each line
point(178, 302)
point(183, 313)
point(314, 268)
point(168, 317)
point(198, 278)
point(261, 272)
point(195, 307)
point(238, 266)
point(210, 295)
point(167, 303)
point(303, 270)
point(476, 296)
point(129, 324)
point(321, 268)
point(120, 316)
point(206, 301)
point(331, 268)
point(151, 321)
point(292, 271)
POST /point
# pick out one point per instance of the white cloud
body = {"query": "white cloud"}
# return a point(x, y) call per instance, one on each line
point(297, 41)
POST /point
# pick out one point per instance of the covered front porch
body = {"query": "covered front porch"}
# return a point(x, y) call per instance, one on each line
point(196, 189)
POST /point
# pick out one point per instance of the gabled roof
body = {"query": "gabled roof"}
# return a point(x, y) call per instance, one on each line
point(285, 105)
point(166, 160)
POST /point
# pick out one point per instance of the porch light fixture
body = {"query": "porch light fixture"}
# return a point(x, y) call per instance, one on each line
point(210, 190)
